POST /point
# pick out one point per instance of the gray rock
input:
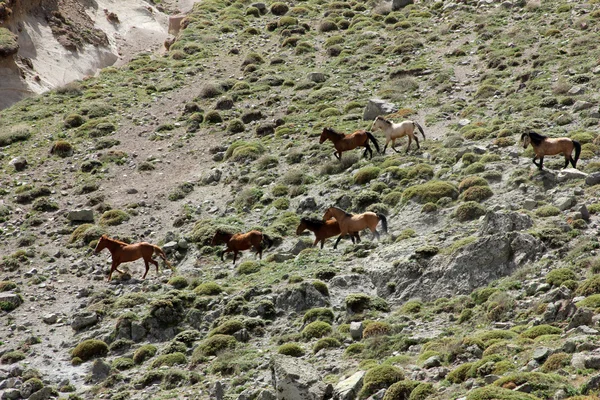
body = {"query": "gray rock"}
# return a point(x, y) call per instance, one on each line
point(242, 335)
point(564, 203)
point(83, 215)
point(11, 298)
point(50, 318)
point(586, 330)
point(529, 204)
point(28, 388)
point(170, 247)
point(504, 222)
point(265, 129)
point(398, 4)
point(317, 77)
point(541, 353)
point(281, 257)
point(307, 204)
point(218, 156)
point(182, 244)
point(464, 122)
point(582, 105)
point(356, 330)
point(218, 392)
point(213, 176)
point(266, 395)
point(302, 297)
point(592, 385)
point(301, 245)
point(99, 371)
point(568, 174)
point(593, 179)
point(84, 320)
point(489, 379)
point(348, 388)
point(585, 214)
point(376, 107)
point(575, 90)
point(431, 362)
point(11, 394)
point(557, 294)
point(344, 202)
point(583, 316)
point(295, 379)
point(559, 311)
point(44, 393)
point(262, 7)
point(18, 163)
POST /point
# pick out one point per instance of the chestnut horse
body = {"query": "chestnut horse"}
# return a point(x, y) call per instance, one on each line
point(545, 146)
point(355, 222)
point(395, 131)
point(122, 252)
point(242, 241)
point(343, 142)
point(323, 229)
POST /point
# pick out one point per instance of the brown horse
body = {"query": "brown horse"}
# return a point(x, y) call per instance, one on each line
point(355, 222)
point(395, 131)
point(343, 142)
point(323, 230)
point(545, 146)
point(242, 241)
point(122, 252)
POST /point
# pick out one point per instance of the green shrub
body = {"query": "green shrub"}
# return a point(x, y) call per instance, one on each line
point(114, 217)
point(422, 391)
point(542, 385)
point(400, 390)
point(555, 362)
point(291, 349)
point(482, 295)
point(178, 282)
point(326, 343)
point(430, 192)
point(208, 289)
point(5, 286)
point(169, 360)
point(376, 328)
point(365, 199)
point(539, 330)
point(379, 377)
point(236, 126)
point(547, 211)
point(355, 348)
point(318, 314)
point(123, 363)
point(366, 175)
point(469, 211)
point(241, 151)
point(357, 302)
point(143, 353)
point(592, 301)
point(16, 133)
point(213, 117)
point(12, 357)
point(321, 287)
point(227, 328)
point(497, 393)
point(556, 277)
point(89, 349)
point(316, 330)
point(248, 267)
point(62, 148)
point(429, 208)
point(589, 287)
point(474, 168)
point(477, 193)
point(460, 373)
point(279, 8)
point(214, 345)
point(74, 121)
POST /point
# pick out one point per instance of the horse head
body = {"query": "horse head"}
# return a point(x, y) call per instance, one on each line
point(324, 135)
point(302, 227)
point(526, 139)
point(220, 237)
point(377, 123)
point(101, 244)
point(328, 214)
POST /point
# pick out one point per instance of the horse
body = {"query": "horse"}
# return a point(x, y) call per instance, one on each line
point(242, 241)
point(343, 142)
point(355, 222)
point(395, 131)
point(545, 146)
point(122, 252)
point(323, 230)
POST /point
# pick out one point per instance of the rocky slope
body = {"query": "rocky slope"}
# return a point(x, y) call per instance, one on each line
point(486, 286)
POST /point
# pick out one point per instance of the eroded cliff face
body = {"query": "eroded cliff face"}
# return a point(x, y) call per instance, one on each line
point(60, 41)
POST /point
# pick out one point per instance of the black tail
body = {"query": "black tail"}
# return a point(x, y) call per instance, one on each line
point(420, 128)
point(268, 242)
point(577, 152)
point(383, 220)
point(372, 138)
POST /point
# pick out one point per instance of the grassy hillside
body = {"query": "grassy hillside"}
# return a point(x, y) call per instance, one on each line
point(222, 131)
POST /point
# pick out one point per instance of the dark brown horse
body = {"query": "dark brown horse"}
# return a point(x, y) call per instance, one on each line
point(323, 229)
point(545, 146)
point(122, 252)
point(355, 222)
point(242, 241)
point(343, 142)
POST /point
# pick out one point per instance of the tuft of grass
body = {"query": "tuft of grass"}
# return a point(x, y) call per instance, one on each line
point(547, 211)
point(89, 349)
point(540, 330)
point(556, 277)
point(366, 175)
point(430, 192)
point(114, 217)
point(144, 353)
point(291, 349)
point(477, 193)
point(316, 330)
point(16, 133)
point(469, 211)
point(380, 377)
point(169, 360)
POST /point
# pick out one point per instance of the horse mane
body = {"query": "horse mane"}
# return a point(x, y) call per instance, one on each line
point(344, 211)
point(331, 130)
point(387, 121)
point(536, 138)
point(116, 241)
point(313, 223)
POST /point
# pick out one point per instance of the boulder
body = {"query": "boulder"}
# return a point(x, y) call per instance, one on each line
point(504, 222)
point(432, 362)
point(586, 361)
point(592, 385)
point(18, 163)
point(398, 4)
point(99, 371)
point(376, 107)
point(84, 320)
point(213, 176)
point(300, 298)
point(44, 393)
point(356, 330)
point(582, 317)
point(82, 215)
point(11, 298)
point(582, 105)
point(564, 203)
point(348, 388)
point(317, 77)
point(569, 174)
point(11, 394)
point(593, 179)
point(265, 129)
point(306, 204)
point(295, 379)
point(541, 353)
point(559, 311)
point(50, 318)
point(301, 245)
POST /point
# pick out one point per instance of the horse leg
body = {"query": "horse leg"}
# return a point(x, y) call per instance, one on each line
point(394, 146)
point(316, 242)
point(322, 243)
point(385, 147)
point(339, 157)
point(147, 268)
point(567, 159)
point(572, 161)
point(368, 148)
point(235, 253)
point(152, 261)
point(541, 163)
point(536, 164)
point(417, 141)
point(337, 241)
point(409, 142)
point(113, 267)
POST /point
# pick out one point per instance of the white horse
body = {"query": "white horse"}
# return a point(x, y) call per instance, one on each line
point(395, 131)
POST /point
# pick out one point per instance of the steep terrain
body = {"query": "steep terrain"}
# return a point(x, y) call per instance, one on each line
point(485, 286)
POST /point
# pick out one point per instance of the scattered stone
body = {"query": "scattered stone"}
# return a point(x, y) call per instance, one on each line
point(301, 245)
point(564, 203)
point(170, 247)
point(505, 222)
point(317, 77)
point(348, 388)
point(585, 214)
point(50, 318)
point(11, 298)
point(541, 353)
point(18, 163)
point(218, 156)
point(300, 298)
point(529, 204)
point(295, 379)
point(568, 174)
point(84, 320)
point(11, 394)
point(593, 179)
point(431, 362)
point(99, 371)
point(306, 204)
point(576, 90)
point(464, 122)
point(44, 393)
point(213, 176)
point(376, 107)
point(356, 330)
point(262, 7)
point(592, 385)
point(83, 215)
point(582, 317)
point(398, 4)
point(582, 105)
point(265, 129)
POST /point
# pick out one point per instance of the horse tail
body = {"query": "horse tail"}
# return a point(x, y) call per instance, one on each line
point(372, 138)
point(267, 240)
point(577, 146)
point(383, 220)
point(415, 123)
point(162, 255)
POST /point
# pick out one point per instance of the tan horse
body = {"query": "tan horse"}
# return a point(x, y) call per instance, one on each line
point(545, 146)
point(395, 131)
point(242, 241)
point(122, 252)
point(355, 222)
point(343, 142)
point(323, 230)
